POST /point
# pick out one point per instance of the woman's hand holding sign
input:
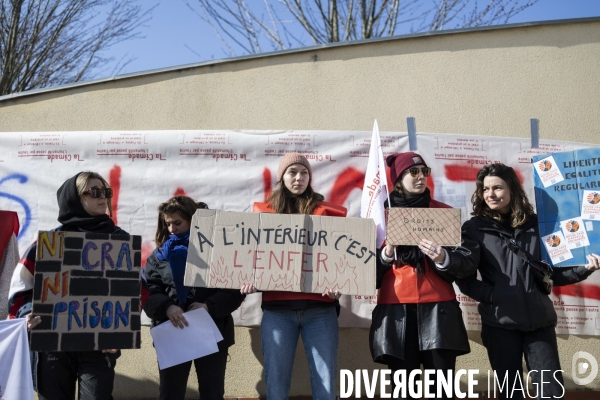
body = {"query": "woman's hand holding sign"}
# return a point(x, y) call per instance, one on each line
point(332, 294)
point(433, 251)
point(32, 321)
point(593, 262)
point(248, 288)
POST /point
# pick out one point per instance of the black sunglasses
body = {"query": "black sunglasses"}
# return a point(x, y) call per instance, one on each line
point(414, 171)
point(96, 193)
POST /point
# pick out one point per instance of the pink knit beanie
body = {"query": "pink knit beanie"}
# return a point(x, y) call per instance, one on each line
point(289, 159)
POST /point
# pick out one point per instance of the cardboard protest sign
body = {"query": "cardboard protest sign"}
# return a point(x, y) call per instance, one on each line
point(568, 205)
point(296, 253)
point(407, 226)
point(86, 290)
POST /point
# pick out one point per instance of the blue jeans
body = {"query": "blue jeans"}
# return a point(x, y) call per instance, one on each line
point(279, 333)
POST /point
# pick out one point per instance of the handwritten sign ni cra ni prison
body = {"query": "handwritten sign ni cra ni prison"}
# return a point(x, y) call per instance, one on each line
point(86, 291)
point(296, 253)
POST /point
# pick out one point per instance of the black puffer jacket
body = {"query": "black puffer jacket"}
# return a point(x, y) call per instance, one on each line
point(508, 295)
point(220, 302)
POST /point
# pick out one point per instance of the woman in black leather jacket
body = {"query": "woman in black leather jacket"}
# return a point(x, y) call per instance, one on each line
point(169, 299)
point(417, 321)
point(517, 317)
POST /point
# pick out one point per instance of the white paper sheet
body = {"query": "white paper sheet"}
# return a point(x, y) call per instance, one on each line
point(175, 345)
point(15, 369)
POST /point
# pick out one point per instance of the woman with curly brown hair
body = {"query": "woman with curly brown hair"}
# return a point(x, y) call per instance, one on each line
point(518, 318)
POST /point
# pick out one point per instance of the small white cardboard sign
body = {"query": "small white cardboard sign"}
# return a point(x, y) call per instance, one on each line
point(575, 233)
point(557, 248)
point(590, 205)
point(548, 171)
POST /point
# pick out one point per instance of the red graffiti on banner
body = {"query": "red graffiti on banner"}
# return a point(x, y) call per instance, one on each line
point(267, 184)
point(583, 290)
point(114, 181)
point(347, 181)
point(462, 173)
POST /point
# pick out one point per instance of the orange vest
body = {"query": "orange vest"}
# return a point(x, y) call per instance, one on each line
point(323, 209)
point(402, 284)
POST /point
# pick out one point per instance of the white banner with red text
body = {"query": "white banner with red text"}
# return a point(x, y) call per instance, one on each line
point(229, 170)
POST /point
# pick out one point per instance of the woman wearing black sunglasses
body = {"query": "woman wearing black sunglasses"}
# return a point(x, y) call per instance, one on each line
point(83, 202)
point(417, 320)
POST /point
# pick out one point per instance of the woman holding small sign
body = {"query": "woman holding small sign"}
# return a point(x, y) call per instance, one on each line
point(83, 202)
point(169, 299)
point(417, 320)
point(287, 315)
point(518, 317)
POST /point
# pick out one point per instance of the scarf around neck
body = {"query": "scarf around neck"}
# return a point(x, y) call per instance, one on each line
point(175, 251)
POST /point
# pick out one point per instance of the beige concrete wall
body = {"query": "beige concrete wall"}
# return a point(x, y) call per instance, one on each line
point(487, 82)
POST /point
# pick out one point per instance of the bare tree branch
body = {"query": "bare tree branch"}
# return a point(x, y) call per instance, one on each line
point(275, 22)
point(51, 42)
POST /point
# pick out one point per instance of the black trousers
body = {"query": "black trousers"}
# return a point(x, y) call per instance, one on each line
point(210, 371)
point(438, 359)
point(505, 350)
point(59, 372)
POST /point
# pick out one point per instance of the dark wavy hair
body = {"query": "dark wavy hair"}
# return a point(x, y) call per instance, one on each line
point(182, 205)
point(520, 208)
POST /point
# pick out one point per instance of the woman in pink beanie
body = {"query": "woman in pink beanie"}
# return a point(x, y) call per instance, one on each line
point(287, 315)
point(417, 320)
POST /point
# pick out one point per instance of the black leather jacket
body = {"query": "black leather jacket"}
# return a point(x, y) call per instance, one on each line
point(220, 302)
point(440, 324)
point(508, 295)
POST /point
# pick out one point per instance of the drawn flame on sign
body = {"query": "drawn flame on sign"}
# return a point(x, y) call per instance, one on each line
point(284, 282)
point(219, 275)
point(341, 268)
